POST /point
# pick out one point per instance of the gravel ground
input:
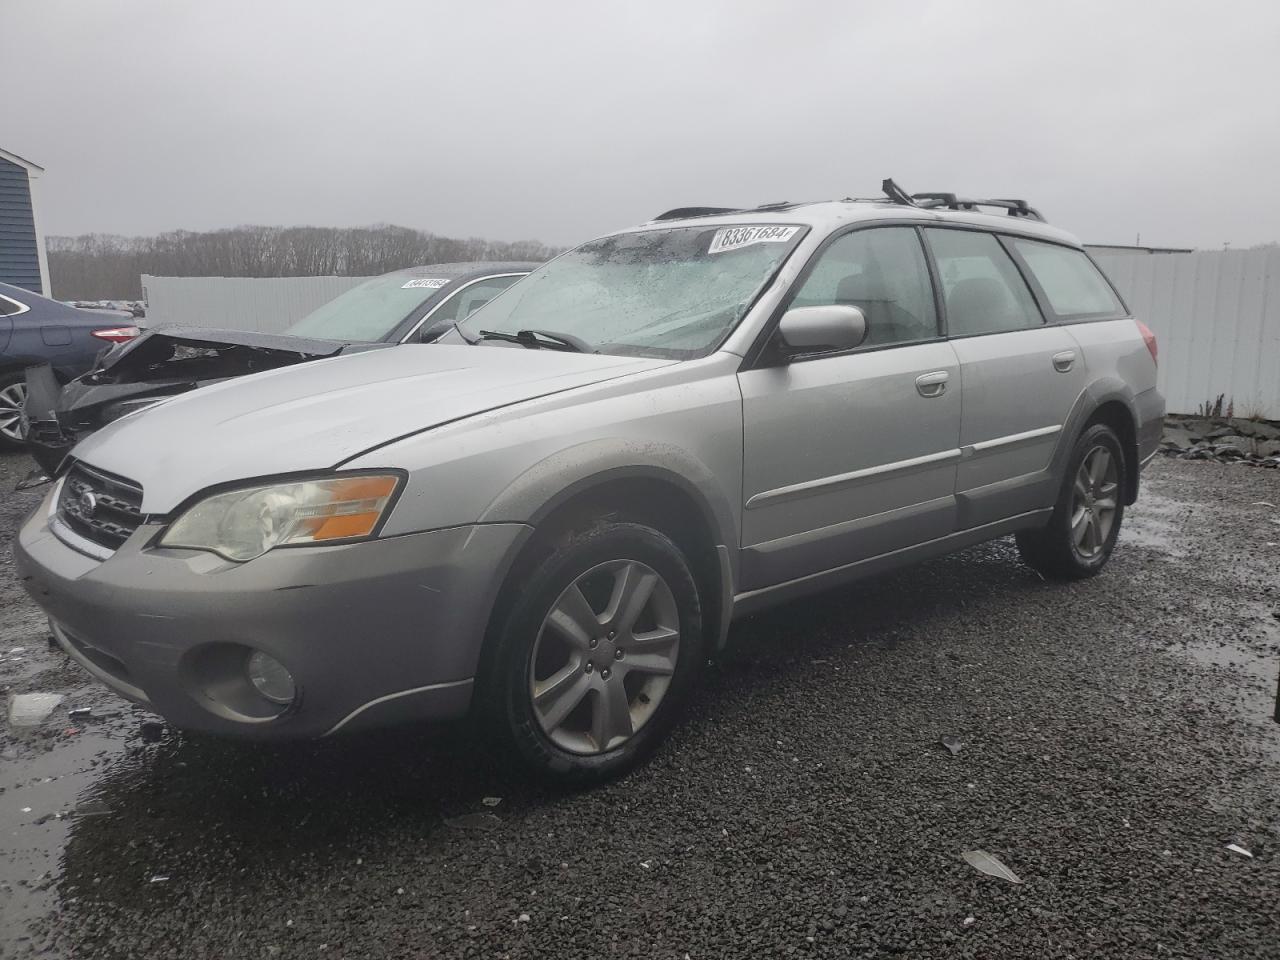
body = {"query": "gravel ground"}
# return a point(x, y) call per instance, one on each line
point(1116, 737)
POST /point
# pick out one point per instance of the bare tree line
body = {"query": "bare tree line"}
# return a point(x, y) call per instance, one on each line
point(107, 267)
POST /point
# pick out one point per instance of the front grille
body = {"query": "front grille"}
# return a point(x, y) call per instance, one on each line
point(99, 506)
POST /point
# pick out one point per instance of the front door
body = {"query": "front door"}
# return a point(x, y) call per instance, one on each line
point(851, 455)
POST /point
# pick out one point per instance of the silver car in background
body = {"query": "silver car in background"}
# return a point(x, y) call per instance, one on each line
point(552, 515)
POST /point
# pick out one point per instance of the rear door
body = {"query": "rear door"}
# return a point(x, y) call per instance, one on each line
point(1020, 377)
point(853, 454)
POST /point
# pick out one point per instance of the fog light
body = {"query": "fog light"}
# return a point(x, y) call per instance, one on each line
point(270, 678)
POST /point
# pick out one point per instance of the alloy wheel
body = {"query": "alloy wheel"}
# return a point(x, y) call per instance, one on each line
point(1095, 498)
point(604, 657)
point(13, 424)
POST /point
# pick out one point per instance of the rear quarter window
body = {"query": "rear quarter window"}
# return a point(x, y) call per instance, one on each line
point(1072, 287)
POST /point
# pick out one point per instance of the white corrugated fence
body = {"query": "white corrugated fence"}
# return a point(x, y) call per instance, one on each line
point(265, 305)
point(1216, 316)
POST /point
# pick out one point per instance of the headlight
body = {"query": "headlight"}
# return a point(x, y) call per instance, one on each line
point(246, 523)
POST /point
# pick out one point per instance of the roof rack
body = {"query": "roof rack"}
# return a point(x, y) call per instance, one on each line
point(1016, 208)
point(896, 193)
point(949, 201)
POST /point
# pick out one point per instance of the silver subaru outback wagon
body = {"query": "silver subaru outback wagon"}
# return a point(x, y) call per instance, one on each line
point(551, 516)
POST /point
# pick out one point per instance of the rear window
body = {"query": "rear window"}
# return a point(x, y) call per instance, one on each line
point(1071, 284)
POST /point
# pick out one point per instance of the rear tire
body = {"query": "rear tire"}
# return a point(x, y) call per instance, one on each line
point(598, 654)
point(1081, 534)
point(13, 397)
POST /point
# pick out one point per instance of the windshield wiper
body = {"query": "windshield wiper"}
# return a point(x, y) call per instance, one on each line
point(536, 339)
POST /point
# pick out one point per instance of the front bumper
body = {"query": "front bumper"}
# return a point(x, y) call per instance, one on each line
point(373, 633)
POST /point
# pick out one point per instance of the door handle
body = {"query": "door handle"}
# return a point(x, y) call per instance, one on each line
point(1064, 361)
point(932, 385)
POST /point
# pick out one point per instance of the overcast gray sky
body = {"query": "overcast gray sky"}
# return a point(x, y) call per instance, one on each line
point(560, 120)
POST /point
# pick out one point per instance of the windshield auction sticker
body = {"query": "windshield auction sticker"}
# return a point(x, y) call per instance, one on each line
point(432, 284)
point(734, 238)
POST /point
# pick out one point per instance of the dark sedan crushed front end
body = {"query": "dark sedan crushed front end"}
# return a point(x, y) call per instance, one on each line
point(414, 305)
point(155, 367)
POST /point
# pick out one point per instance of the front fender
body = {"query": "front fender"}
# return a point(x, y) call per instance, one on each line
point(576, 471)
point(570, 472)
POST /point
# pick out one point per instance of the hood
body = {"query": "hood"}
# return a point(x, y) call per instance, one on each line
point(315, 416)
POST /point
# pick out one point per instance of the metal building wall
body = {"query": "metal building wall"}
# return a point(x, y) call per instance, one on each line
point(1216, 315)
point(19, 245)
point(266, 305)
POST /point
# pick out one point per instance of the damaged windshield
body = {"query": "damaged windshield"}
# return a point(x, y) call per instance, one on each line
point(367, 312)
point(672, 293)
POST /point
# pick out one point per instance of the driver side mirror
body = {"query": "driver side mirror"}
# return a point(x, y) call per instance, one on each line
point(819, 329)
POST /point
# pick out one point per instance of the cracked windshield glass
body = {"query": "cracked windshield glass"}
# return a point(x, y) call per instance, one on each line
point(655, 293)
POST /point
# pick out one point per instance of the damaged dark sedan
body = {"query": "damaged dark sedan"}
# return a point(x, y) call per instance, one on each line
point(414, 305)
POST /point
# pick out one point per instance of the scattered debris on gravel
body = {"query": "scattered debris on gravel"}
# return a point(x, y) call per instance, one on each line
point(1233, 439)
point(1118, 754)
point(985, 863)
point(32, 709)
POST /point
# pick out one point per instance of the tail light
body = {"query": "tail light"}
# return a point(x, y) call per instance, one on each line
point(117, 334)
point(1149, 339)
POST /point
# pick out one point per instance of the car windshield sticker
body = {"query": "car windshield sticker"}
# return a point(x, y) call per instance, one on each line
point(734, 238)
point(432, 284)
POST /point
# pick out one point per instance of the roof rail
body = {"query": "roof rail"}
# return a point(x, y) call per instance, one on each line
point(682, 213)
point(1016, 208)
point(931, 201)
point(949, 201)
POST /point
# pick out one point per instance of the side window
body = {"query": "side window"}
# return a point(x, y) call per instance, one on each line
point(883, 272)
point(981, 287)
point(10, 307)
point(467, 300)
point(1072, 285)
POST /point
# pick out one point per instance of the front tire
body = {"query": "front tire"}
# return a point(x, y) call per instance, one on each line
point(1081, 534)
point(598, 655)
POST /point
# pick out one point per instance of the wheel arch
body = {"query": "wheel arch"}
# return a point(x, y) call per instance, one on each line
point(677, 497)
point(1109, 401)
point(11, 364)
point(1120, 418)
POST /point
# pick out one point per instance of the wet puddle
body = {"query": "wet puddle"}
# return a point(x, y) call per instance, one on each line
point(1156, 523)
point(1247, 666)
point(41, 787)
